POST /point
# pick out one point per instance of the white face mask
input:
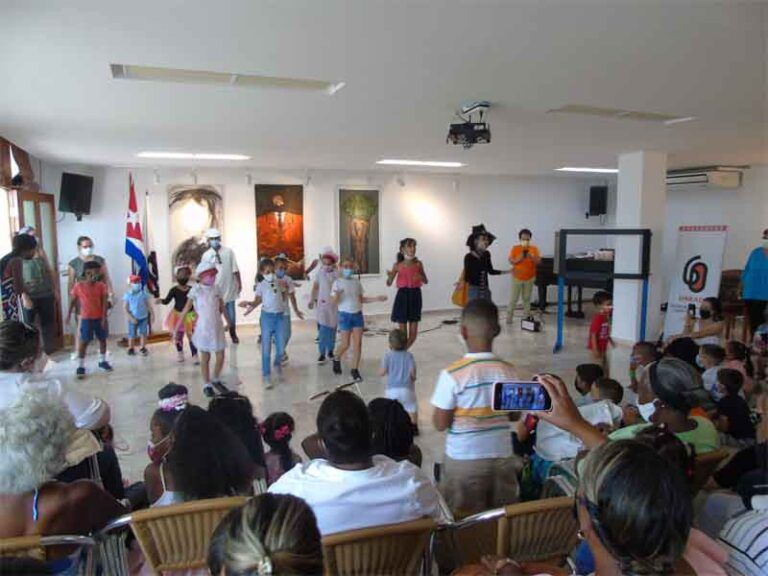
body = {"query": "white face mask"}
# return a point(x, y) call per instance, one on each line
point(86, 250)
point(269, 277)
point(647, 410)
point(408, 256)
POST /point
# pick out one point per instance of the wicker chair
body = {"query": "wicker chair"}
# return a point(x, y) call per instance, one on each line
point(399, 549)
point(177, 537)
point(40, 547)
point(543, 530)
point(705, 466)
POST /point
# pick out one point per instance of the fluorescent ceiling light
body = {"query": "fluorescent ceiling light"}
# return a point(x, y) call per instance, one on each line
point(584, 169)
point(186, 76)
point(430, 163)
point(679, 120)
point(190, 156)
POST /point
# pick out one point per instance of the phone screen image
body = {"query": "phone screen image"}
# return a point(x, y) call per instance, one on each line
point(520, 396)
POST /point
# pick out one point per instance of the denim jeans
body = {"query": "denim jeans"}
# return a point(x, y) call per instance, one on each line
point(327, 340)
point(271, 327)
point(229, 312)
point(286, 330)
point(476, 292)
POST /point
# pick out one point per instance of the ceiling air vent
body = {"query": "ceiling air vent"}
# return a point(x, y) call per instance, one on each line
point(619, 114)
point(183, 76)
point(706, 177)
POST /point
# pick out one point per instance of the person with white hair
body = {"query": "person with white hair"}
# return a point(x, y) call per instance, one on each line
point(39, 439)
point(228, 277)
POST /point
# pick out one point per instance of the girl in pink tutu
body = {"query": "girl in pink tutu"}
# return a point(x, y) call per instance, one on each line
point(177, 325)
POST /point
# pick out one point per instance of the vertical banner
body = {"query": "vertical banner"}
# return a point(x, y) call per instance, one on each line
point(697, 271)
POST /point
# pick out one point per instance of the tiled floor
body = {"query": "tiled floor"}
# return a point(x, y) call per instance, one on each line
point(131, 389)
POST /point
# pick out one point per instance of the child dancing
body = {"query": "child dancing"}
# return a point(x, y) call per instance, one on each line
point(281, 273)
point(409, 271)
point(175, 323)
point(326, 311)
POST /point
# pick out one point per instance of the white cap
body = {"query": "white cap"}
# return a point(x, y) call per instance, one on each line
point(204, 267)
point(212, 233)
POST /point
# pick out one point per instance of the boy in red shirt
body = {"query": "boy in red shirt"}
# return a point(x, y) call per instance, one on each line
point(91, 294)
point(600, 329)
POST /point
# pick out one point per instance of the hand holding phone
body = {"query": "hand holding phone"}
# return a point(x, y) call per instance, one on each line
point(520, 396)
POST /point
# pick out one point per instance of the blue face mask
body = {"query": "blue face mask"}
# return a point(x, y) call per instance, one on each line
point(135, 288)
point(215, 244)
point(699, 363)
point(347, 272)
point(280, 273)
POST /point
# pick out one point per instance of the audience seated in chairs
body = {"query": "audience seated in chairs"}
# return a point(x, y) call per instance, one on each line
point(352, 489)
point(37, 434)
point(205, 460)
point(271, 534)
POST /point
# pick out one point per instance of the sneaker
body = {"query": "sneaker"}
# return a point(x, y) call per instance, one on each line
point(219, 386)
point(208, 391)
point(196, 360)
point(131, 352)
point(73, 356)
point(330, 355)
point(355, 373)
point(144, 352)
point(180, 357)
point(268, 385)
point(80, 372)
point(321, 359)
point(106, 366)
point(284, 360)
point(317, 339)
point(336, 367)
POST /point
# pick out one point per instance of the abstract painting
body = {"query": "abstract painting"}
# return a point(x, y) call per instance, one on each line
point(280, 224)
point(359, 228)
point(192, 210)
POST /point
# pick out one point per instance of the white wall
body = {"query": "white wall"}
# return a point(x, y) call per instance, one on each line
point(437, 210)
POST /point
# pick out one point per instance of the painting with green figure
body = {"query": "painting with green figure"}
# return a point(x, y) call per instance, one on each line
point(359, 228)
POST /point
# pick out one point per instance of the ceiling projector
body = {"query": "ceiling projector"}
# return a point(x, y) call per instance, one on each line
point(468, 133)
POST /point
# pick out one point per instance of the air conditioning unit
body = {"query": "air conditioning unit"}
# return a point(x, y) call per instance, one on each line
point(720, 177)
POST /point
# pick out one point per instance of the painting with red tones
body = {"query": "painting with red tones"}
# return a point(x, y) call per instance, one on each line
point(280, 224)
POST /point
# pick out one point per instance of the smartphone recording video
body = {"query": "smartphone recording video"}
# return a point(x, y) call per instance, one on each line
point(520, 396)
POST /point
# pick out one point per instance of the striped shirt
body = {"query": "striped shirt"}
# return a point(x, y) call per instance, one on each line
point(466, 388)
point(746, 539)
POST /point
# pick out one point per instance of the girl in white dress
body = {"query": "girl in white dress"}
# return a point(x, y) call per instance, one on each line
point(208, 336)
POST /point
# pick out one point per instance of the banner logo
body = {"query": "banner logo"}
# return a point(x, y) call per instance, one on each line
point(695, 274)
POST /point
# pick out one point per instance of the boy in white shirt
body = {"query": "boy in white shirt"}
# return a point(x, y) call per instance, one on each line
point(281, 272)
point(271, 294)
point(347, 294)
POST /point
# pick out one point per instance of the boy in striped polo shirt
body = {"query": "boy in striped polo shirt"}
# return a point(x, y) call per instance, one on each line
point(480, 470)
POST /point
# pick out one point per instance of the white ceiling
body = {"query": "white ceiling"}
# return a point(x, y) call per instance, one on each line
point(407, 67)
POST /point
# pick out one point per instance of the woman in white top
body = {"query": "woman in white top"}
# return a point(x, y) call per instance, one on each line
point(708, 328)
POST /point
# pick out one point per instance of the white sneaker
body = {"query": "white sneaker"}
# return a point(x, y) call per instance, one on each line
point(268, 385)
point(180, 357)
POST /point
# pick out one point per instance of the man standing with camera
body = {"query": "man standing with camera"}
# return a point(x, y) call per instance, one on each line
point(524, 257)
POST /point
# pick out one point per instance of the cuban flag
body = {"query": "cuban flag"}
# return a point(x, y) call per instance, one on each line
point(134, 240)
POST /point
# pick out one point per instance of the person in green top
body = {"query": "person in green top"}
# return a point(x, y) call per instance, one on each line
point(667, 392)
point(39, 299)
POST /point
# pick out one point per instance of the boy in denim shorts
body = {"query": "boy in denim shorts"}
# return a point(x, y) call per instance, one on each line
point(91, 295)
point(139, 315)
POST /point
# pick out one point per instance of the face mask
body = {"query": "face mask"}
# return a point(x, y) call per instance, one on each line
point(328, 267)
point(86, 250)
point(183, 281)
point(647, 410)
point(135, 288)
point(269, 277)
point(208, 280)
point(215, 244)
point(347, 272)
point(409, 256)
point(639, 371)
point(481, 246)
point(154, 452)
point(705, 314)
point(525, 243)
point(280, 273)
point(765, 243)
point(699, 362)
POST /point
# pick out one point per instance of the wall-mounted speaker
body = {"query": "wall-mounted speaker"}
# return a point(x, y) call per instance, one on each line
point(598, 200)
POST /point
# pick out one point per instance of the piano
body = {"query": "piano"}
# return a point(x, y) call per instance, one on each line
point(583, 272)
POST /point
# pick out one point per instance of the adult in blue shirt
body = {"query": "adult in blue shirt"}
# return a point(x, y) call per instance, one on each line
point(754, 283)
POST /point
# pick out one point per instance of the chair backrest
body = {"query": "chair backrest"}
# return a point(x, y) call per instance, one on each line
point(177, 537)
point(391, 549)
point(539, 530)
point(705, 466)
point(469, 539)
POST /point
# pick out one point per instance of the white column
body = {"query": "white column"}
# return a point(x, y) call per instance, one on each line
point(641, 203)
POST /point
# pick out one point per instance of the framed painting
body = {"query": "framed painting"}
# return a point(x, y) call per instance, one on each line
point(191, 211)
point(359, 228)
point(280, 224)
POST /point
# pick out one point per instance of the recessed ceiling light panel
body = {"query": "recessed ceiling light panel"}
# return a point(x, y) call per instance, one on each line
point(191, 156)
point(586, 169)
point(184, 76)
point(428, 163)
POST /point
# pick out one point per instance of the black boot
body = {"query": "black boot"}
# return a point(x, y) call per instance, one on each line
point(233, 335)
